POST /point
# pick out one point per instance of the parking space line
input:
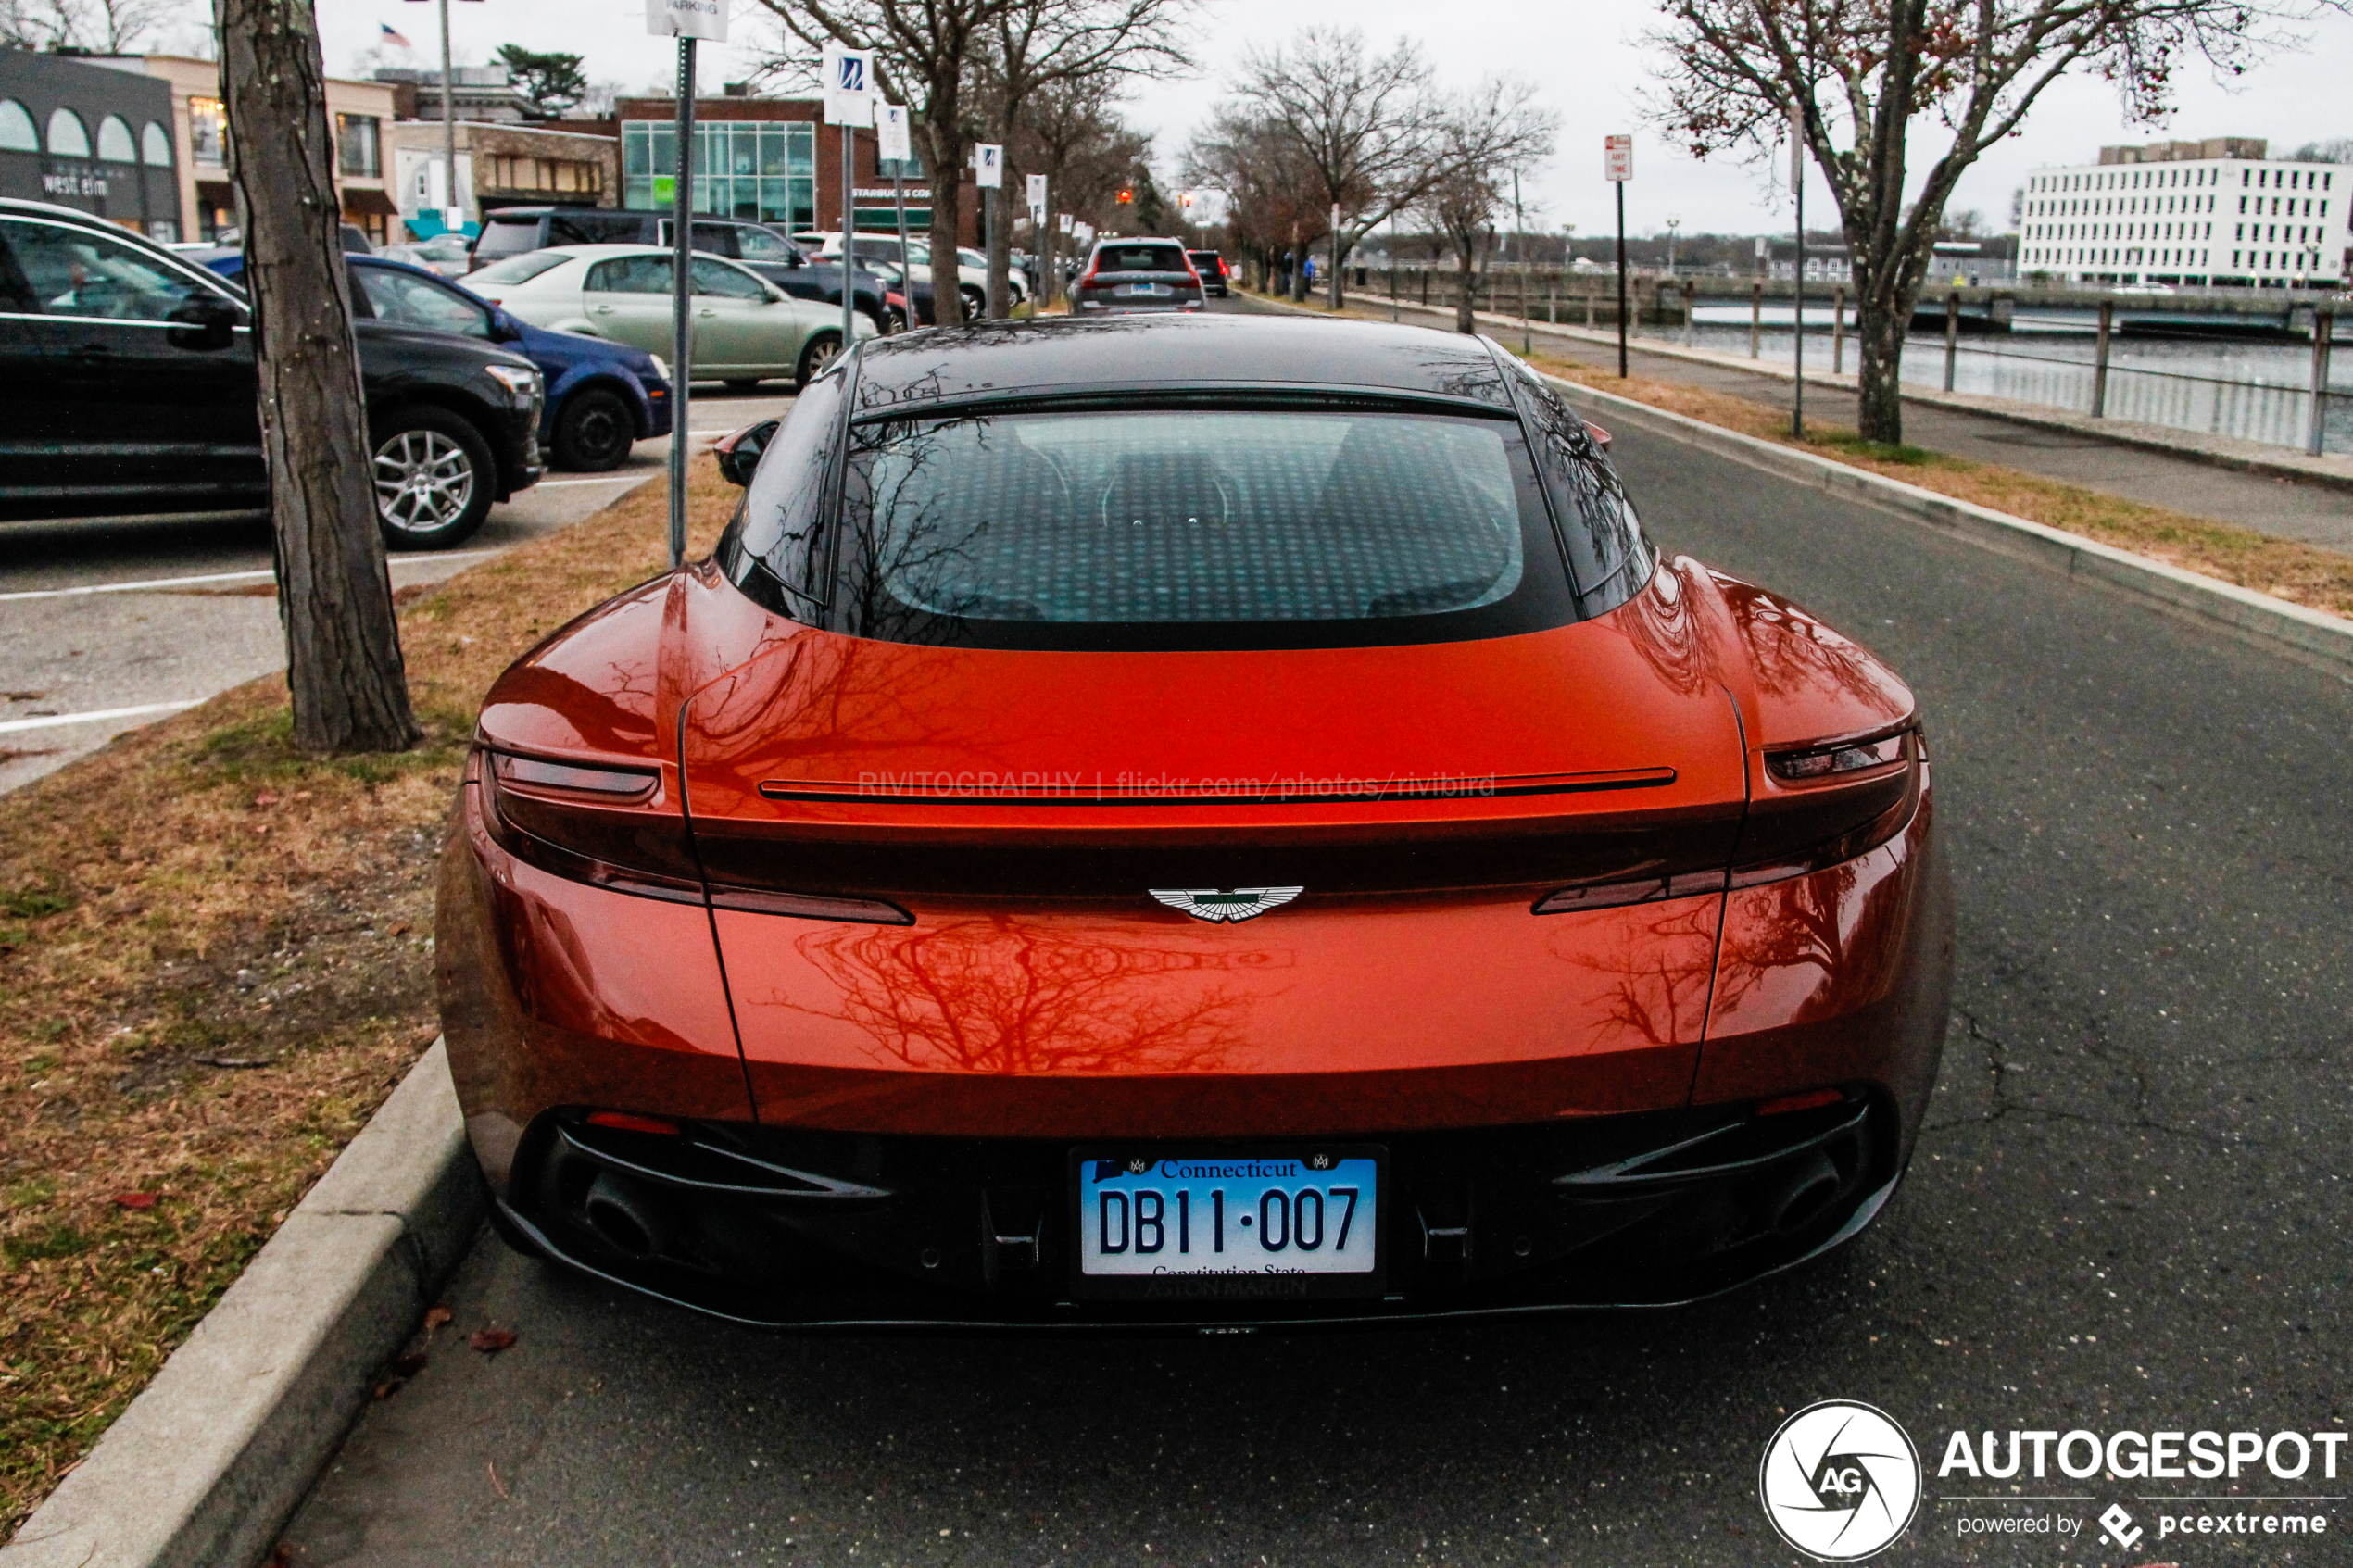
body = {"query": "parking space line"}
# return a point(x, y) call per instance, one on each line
point(152, 584)
point(49, 721)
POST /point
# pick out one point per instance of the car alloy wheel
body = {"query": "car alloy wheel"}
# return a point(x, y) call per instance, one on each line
point(818, 358)
point(424, 482)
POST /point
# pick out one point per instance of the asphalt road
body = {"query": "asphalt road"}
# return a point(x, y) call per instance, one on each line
point(2129, 1212)
point(79, 668)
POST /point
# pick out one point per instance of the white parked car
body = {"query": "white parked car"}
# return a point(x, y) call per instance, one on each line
point(746, 329)
point(971, 267)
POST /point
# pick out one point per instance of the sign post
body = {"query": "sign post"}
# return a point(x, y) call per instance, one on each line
point(1041, 239)
point(686, 20)
point(850, 103)
point(891, 142)
point(989, 173)
point(1617, 167)
point(1797, 191)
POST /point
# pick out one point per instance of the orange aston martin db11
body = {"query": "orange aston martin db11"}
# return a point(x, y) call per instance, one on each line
point(1189, 821)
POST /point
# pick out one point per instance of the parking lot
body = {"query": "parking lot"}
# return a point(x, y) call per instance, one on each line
point(113, 622)
point(2127, 1211)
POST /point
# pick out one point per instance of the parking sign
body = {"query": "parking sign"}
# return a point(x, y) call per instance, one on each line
point(687, 18)
point(1618, 158)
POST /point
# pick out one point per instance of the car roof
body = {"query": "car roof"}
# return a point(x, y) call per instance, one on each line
point(1144, 354)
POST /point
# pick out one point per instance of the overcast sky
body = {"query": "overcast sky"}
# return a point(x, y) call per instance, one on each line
point(1587, 58)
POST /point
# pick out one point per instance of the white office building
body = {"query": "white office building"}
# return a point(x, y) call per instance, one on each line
point(2215, 212)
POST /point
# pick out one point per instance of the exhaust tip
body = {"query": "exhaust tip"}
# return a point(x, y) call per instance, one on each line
point(631, 1220)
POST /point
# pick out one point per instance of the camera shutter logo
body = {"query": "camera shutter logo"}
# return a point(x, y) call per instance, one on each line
point(1840, 1480)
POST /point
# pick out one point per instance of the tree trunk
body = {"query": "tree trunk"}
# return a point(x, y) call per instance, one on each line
point(1880, 332)
point(1340, 258)
point(947, 148)
point(1466, 288)
point(1001, 246)
point(343, 668)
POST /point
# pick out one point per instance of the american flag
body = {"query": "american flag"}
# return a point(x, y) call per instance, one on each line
point(393, 38)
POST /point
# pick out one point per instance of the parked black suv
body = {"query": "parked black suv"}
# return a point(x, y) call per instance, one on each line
point(127, 385)
point(511, 230)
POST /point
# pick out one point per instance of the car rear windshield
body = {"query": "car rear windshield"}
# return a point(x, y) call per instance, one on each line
point(1140, 258)
point(1194, 527)
point(507, 236)
point(518, 268)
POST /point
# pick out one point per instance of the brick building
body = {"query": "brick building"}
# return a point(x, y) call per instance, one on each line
point(773, 160)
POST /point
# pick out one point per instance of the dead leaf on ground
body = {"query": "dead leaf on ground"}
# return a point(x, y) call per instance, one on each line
point(136, 1199)
point(493, 1465)
point(437, 1316)
point(490, 1341)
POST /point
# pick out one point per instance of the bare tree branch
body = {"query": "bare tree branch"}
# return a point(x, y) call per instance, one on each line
point(1869, 74)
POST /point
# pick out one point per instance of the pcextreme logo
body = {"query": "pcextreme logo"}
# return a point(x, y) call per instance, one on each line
point(1840, 1480)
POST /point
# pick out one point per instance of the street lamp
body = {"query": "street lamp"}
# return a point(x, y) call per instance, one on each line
point(1673, 223)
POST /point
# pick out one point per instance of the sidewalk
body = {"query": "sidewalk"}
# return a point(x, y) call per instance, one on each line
point(2128, 460)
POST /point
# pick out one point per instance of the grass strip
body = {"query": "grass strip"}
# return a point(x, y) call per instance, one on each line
point(216, 961)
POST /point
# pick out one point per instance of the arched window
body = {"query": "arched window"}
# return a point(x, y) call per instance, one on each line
point(115, 144)
point(17, 134)
point(154, 143)
point(68, 136)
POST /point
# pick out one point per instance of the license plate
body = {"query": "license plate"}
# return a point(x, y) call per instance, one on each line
point(1260, 1225)
point(1155, 290)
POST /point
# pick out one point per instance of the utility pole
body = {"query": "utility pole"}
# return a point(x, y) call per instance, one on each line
point(448, 135)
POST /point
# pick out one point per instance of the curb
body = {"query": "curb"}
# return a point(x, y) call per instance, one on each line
point(2333, 471)
point(209, 1462)
point(2274, 622)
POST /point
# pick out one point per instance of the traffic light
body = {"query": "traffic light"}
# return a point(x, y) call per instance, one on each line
point(1126, 197)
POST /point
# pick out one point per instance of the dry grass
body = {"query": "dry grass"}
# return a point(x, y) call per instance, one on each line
point(197, 890)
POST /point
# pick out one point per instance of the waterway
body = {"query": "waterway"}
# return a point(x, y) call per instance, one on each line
point(2253, 390)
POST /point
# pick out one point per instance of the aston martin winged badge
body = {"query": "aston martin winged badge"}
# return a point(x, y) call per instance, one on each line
point(1227, 905)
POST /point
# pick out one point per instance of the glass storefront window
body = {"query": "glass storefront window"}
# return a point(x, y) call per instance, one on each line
point(207, 131)
point(764, 170)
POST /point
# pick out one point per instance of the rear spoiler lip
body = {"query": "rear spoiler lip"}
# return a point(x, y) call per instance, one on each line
point(1270, 792)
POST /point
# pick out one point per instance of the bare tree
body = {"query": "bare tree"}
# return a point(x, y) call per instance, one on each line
point(924, 54)
point(1072, 132)
point(1870, 73)
point(1366, 127)
point(1262, 170)
point(1042, 44)
point(101, 27)
point(1482, 140)
point(335, 596)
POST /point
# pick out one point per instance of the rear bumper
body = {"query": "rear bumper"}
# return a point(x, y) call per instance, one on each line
point(1655, 1210)
point(1559, 1181)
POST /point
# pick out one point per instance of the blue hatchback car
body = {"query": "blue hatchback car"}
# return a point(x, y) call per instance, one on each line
point(602, 397)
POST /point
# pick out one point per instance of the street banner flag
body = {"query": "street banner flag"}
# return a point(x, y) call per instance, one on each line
point(849, 85)
point(891, 133)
